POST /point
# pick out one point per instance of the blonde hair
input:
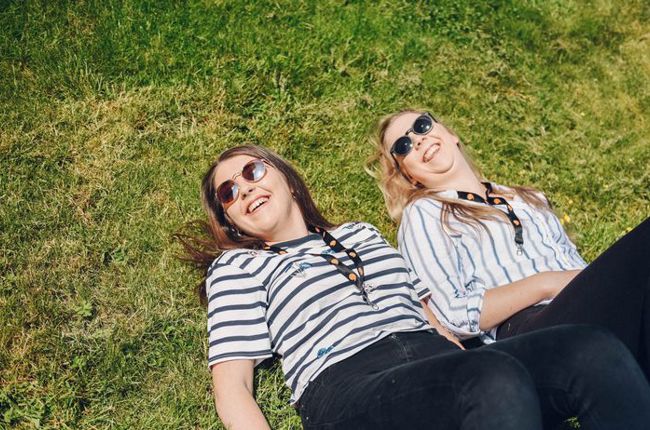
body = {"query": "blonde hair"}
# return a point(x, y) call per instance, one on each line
point(399, 191)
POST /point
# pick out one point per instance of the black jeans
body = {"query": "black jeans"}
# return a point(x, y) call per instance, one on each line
point(422, 381)
point(612, 292)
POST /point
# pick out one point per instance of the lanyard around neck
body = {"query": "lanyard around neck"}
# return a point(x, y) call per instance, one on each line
point(358, 278)
point(496, 201)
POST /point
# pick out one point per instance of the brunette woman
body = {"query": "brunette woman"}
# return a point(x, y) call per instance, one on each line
point(341, 310)
point(496, 259)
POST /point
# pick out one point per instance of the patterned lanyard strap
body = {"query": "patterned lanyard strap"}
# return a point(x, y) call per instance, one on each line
point(496, 201)
point(358, 278)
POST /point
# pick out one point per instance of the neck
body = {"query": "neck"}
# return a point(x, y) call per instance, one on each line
point(471, 185)
point(293, 227)
point(462, 178)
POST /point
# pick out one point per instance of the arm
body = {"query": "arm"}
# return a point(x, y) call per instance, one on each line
point(500, 303)
point(233, 395)
point(238, 338)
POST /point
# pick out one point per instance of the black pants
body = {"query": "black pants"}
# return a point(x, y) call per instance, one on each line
point(612, 292)
point(422, 381)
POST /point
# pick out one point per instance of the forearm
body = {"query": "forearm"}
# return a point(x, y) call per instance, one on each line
point(238, 410)
point(502, 302)
point(233, 396)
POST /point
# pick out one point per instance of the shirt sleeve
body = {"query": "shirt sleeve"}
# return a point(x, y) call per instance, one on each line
point(420, 287)
point(237, 326)
point(375, 231)
point(456, 297)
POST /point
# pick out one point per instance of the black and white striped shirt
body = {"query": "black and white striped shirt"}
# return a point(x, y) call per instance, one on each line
point(460, 263)
point(298, 306)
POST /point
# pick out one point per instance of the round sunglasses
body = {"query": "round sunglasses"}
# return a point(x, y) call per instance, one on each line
point(253, 171)
point(422, 125)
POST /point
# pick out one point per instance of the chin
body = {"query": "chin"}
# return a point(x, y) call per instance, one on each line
point(444, 167)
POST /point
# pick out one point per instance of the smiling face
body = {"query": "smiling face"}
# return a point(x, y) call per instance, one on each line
point(264, 209)
point(433, 157)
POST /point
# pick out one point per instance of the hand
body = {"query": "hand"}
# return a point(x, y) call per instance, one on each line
point(449, 336)
point(433, 321)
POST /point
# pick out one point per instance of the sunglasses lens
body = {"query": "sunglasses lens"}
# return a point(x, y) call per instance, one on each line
point(254, 171)
point(227, 192)
point(422, 125)
point(402, 146)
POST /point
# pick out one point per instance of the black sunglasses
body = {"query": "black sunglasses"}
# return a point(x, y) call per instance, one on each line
point(253, 171)
point(422, 125)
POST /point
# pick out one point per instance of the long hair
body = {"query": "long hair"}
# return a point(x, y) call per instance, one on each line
point(204, 240)
point(398, 191)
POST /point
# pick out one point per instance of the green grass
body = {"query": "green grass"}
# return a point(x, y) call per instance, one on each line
point(111, 111)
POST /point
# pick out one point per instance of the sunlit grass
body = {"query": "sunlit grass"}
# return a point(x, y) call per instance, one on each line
point(111, 111)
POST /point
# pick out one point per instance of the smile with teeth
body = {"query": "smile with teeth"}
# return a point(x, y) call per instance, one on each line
point(430, 152)
point(256, 204)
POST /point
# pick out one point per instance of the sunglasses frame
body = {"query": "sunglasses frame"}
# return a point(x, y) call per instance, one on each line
point(235, 186)
point(411, 130)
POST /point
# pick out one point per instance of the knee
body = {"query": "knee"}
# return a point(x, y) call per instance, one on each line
point(592, 349)
point(499, 377)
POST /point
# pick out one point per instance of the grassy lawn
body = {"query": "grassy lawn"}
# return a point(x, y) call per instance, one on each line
point(111, 111)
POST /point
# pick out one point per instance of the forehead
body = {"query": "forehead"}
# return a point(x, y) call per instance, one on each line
point(227, 168)
point(398, 126)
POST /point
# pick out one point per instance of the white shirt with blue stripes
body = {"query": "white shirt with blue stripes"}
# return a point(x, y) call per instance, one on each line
point(299, 307)
point(460, 262)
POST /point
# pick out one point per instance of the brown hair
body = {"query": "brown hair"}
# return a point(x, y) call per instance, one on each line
point(204, 240)
point(398, 191)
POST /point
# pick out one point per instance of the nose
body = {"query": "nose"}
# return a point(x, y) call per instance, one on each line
point(416, 139)
point(245, 189)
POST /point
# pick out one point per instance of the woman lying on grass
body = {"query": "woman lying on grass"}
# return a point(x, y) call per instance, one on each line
point(339, 307)
point(496, 258)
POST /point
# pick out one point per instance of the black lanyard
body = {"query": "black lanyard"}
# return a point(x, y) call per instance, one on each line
point(358, 278)
point(495, 201)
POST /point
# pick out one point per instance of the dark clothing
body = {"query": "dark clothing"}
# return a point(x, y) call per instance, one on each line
point(612, 292)
point(419, 380)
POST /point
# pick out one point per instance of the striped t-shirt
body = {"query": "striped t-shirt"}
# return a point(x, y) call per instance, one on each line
point(460, 263)
point(300, 308)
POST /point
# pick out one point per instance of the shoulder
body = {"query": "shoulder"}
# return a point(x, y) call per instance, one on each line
point(228, 283)
point(424, 210)
point(357, 231)
point(352, 226)
point(231, 258)
point(232, 268)
point(426, 205)
point(504, 189)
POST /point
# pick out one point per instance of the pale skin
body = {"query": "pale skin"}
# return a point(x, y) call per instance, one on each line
point(278, 219)
point(435, 162)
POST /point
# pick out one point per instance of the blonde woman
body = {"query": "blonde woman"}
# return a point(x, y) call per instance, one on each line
point(496, 259)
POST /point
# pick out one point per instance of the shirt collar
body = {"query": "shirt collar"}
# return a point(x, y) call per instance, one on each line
point(295, 243)
point(448, 194)
point(453, 194)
